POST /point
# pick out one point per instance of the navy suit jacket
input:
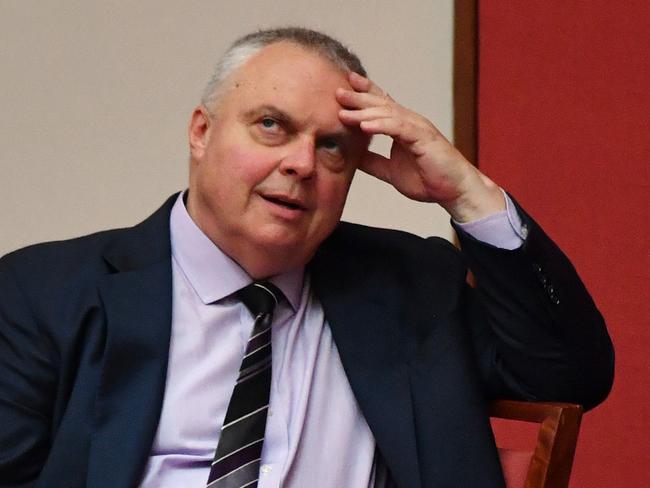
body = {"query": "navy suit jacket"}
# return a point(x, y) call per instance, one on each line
point(85, 327)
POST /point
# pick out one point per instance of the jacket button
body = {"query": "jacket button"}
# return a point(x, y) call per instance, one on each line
point(552, 295)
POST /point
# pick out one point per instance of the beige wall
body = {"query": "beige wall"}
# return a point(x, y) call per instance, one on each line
point(96, 95)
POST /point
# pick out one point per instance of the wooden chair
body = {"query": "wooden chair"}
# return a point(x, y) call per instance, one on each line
point(549, 465)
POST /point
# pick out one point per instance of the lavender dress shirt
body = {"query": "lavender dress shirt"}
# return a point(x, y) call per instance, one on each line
point(316, 435)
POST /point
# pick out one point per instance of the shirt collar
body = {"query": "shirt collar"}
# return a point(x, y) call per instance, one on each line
point(212, 273)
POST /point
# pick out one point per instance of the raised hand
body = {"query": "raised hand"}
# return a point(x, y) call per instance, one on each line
point(423, 164)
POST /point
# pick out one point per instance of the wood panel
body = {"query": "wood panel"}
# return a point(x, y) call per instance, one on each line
point(466, 78)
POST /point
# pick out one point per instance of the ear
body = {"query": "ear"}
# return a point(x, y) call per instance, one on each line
point(199, 132)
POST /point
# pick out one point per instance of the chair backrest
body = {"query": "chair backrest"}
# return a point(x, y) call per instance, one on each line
point(549, 465)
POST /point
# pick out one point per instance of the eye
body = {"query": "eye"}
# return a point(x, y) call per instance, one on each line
point(269, 130)
point(330, 144)
point(269, 123)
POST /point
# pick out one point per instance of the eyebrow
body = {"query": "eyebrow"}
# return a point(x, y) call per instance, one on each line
point(291, 125)
point(271, 111)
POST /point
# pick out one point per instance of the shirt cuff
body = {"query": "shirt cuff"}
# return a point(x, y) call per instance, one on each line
point(502, 229)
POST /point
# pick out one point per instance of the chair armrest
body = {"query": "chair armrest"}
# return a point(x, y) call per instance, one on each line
point(552, 459)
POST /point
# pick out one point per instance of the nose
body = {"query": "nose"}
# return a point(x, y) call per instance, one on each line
point(301, 160)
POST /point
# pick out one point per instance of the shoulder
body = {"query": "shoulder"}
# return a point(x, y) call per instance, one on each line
point(56, 254)
point(63, 267)
point(362, 248)
point(357, 238)
point(54, 263)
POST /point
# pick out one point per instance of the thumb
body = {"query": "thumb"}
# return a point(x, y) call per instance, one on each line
point(376, 165)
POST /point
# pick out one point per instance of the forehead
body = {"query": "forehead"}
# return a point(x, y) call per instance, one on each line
point(287, 61)
point(290, 75)
point(290, 53)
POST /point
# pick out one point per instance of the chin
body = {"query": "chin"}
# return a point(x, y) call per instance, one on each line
point(283, 242)
point(280, 242)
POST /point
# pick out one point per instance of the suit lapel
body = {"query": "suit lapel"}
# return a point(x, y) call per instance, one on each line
point(367, 334)
point(137, 302)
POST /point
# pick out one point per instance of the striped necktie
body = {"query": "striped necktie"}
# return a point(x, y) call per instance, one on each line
point(236, 461)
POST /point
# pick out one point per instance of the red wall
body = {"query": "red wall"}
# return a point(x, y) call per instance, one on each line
point(564, 110)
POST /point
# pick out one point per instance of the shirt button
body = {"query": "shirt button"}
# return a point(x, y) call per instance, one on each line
point(266, 468)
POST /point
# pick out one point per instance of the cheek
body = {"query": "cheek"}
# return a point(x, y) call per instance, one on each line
point(333, 195)
point(248, 166)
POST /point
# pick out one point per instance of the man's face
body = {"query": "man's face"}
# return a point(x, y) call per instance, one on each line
point(271, 168)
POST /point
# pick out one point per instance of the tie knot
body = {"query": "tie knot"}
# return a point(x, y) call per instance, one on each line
point(260, 297)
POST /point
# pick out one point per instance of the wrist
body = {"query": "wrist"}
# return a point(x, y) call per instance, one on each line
point(481, 198)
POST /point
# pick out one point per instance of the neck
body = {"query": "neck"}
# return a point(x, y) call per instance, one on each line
point(264, 263)
point(259, 261)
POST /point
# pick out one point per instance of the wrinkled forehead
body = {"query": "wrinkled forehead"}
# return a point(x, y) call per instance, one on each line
point(286, 65)
point(294, 80)
point(289, 50)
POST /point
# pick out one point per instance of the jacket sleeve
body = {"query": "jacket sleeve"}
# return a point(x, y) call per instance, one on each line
point(536, 331)
point(27, 386)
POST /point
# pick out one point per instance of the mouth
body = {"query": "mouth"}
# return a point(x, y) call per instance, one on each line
point(284, 201)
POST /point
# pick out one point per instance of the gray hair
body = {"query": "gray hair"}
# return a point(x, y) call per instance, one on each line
point(245, 47)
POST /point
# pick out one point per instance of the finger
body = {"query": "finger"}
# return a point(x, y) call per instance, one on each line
point(366, 85)
point(405, 132)
point(360, 100)
point(358, 82)
point(350, 117)
point(376, 165)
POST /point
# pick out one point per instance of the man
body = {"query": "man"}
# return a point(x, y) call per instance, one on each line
point(121, 351)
